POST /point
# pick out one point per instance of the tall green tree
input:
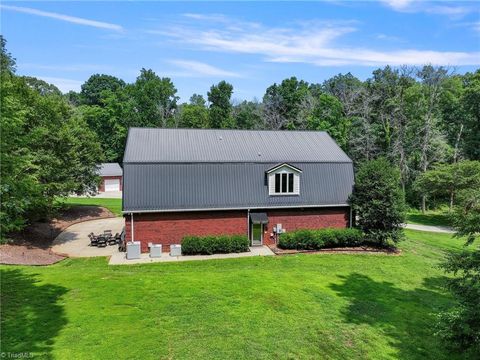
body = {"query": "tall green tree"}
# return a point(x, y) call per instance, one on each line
point(220, 114)
point(92, 89)
point(45, 151)
point(155, 99)
point(379, 202)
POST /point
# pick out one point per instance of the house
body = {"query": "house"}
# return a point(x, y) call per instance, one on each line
point(180, 182)
point(111, 174)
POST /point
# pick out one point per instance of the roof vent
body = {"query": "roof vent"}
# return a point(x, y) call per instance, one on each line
point(259, 154)
point(220, 138)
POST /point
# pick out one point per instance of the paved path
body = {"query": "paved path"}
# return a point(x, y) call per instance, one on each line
point(120, 259)
point(74, 241)
point(431, 228)
point(103, 195)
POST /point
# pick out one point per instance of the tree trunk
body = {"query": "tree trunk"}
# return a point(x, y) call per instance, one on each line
point(424, 200)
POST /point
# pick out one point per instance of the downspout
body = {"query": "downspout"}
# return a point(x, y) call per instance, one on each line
point(248, 225)
point(132, 237)
point(351, 217)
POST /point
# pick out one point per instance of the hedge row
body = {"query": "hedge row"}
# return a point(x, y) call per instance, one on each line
point(320, 239)
point(196, 245)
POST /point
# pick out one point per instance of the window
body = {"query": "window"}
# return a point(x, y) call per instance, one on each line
point(283, 179)
point(284, 183)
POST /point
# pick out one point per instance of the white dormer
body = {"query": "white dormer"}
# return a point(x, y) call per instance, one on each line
point(284, 179)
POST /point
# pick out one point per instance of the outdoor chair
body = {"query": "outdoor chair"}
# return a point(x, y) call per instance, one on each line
point(93, 239)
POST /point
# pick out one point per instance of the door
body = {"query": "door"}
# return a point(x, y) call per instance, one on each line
point(257, 234)
point(112, 185)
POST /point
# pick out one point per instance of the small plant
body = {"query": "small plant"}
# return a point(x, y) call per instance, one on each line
point(321, 239)
point(207, 245)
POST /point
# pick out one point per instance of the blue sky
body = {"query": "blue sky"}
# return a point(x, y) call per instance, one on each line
point(249, 44)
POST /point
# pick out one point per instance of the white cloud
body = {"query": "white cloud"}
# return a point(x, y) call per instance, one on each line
point(398, 4)
point(62, 17)
point(318, 45)
point(65, 85)
point(429, 7)
point(199, 69)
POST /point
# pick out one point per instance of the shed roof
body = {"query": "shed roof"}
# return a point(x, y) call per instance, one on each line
point(154, 145)
point(110, 169)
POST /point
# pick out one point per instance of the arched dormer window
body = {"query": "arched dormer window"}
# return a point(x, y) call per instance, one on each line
point(284, 179)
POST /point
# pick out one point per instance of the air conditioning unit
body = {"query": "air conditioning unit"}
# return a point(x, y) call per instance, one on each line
point(133, 250)
point(155, 250)
point(175, 250)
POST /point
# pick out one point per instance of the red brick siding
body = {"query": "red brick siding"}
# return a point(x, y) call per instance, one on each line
point(170, 228)
point(294, 219)
point(101, 188)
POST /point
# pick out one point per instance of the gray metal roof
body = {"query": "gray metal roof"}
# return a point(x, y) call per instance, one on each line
point(201, 186)
point(110, 169)
point(154, 145)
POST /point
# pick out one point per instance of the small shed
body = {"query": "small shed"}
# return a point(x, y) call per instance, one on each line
point(112, 177)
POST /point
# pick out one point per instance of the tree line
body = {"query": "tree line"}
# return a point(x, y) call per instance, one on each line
point(415, 117)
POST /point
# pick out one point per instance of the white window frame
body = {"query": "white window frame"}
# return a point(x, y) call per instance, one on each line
point(280, 170)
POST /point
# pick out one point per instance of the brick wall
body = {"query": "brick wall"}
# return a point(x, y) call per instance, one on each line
point(170, 228)
point(295, 219)
point(101, 188)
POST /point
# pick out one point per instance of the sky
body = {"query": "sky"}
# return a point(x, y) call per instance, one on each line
point(249, 44)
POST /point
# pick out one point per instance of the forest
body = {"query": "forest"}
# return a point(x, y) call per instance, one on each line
point(418, 118)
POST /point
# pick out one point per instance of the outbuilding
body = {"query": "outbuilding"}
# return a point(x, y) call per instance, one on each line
point(180, 182)
point(112, 177)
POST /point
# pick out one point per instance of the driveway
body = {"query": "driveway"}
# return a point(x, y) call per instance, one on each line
point(103, 195)
point(74, 241)
point(430, 228)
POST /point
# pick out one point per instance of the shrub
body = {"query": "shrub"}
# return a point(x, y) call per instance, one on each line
point(207, 245)
point(320, 239)
point(379, 202)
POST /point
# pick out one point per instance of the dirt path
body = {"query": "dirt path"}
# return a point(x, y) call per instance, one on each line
point(32, 246)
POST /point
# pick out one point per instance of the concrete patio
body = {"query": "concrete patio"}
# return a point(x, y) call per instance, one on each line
point(120, 258)
point(74, 241)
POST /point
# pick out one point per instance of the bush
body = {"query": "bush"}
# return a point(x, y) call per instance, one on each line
point(207, 245)
point(379, 202)
point(321, 239)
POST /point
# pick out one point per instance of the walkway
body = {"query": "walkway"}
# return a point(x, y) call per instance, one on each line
point(430, 228)
point(120, 258)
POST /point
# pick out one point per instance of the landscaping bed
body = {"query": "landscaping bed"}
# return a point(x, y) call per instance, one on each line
point(32, 245)
point(339, 250)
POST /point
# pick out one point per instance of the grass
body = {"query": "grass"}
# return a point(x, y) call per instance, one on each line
point(114, 205)
point(431, 217)
point(299, 306)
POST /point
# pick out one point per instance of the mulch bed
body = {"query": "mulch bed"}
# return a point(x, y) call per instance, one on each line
point(345, 250)
point(32, 245)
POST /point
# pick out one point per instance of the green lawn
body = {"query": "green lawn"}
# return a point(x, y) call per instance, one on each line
point(330, 306)
point(114, 205)
point(431, 217)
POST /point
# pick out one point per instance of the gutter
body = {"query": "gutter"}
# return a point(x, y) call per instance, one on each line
point(235, 208)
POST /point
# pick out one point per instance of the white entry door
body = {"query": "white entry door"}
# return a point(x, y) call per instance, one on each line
point(112, 185)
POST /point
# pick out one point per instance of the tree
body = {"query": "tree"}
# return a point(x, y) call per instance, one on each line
point(471, 104)
point(155, 99)
point(248, 115)
point(327, 114)
point(198, 100)
point(378, 202)
point(193, 116)
point(220, 114)
point(446, 180)
point(45, 151)
point(92, 89)
point(460, 325)
point(286, 104)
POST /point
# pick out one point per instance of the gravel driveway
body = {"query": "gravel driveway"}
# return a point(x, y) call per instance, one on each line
point(74, 241)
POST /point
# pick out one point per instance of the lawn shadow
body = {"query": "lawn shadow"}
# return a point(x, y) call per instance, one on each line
point(406, 317)
point(31, 316)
